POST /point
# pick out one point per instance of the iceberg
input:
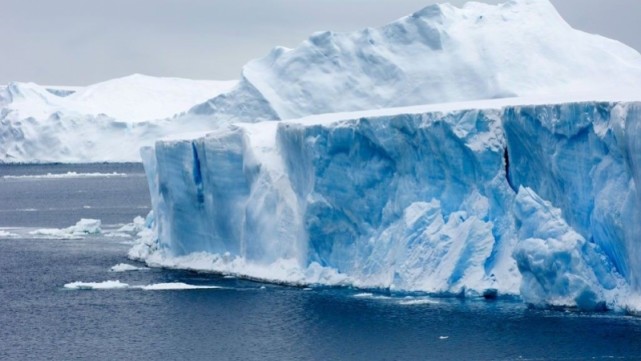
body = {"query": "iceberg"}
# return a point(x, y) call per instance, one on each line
point(440, 54)
point(474, 151)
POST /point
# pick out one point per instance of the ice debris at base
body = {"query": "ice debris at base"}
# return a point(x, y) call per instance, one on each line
point(6, 234)
point(136, 228)
point(436, 55)
point(534, 200)
point(111, 285)
point(84, 227)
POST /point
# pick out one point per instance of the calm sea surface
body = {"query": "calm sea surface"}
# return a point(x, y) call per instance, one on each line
point(242, 320)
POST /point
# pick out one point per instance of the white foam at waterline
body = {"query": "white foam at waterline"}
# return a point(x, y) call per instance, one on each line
point(66, 175)
point(371, 296)
point(105, 285)
point(420, 301)
point(5, 234)
point(117, 285)
point(117, 235)
point(124, 267)
point(174, 286)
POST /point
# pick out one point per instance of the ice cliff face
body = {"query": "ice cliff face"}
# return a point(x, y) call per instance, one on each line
point(536, 200)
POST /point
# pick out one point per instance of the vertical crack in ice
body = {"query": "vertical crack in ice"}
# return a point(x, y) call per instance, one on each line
point(506, 158)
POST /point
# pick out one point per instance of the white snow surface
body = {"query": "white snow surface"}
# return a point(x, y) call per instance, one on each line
point(132, 98)
point(521, 48)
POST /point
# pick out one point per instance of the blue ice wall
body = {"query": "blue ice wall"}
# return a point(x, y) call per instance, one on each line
point(430, 202)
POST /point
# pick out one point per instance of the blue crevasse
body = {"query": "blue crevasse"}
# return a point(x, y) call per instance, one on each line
point(538, 200)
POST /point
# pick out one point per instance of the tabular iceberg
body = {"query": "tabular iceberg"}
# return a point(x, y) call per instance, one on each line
point(530, 192)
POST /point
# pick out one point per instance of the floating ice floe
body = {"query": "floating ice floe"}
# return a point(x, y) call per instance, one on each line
point(84, 227)
point(66, 175)
point(124, 267)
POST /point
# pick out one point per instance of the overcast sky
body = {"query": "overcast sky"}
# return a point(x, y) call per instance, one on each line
point(79, 42)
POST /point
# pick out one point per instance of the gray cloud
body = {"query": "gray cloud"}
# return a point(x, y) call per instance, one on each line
point(86, 41)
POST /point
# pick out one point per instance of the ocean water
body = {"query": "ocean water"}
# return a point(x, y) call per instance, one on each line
point(241, 319)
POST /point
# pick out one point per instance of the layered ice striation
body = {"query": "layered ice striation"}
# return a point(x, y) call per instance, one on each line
point(535, 200)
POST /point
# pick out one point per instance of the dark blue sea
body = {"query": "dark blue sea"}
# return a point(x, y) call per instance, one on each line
point(241, 320)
